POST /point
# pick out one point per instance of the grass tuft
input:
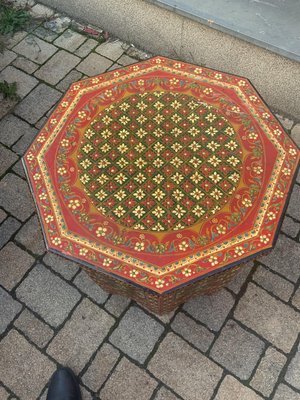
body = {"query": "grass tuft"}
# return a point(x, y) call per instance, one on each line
point(12, 19)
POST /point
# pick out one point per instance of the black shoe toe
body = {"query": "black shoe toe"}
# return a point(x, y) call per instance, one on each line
point(64, 385)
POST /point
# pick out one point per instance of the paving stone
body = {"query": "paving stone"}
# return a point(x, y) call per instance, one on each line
point(117, 304)
point(70, 40)
point(11, 41)
point(3, 215)
point(290, 227)
point(237, 350)
point(165, 394)
point(72, 76)
point(62, 265)
point(165, 318)
point(196, 334)
point(240, 278)
point(4, 395)
point(19, 169)
point(58, 24)
point(6, 58)
point(270, 318)
point(138, 54)
point(85, 395)
point(48, 295)
point(128, 382)
point(94, 64)
point(34, 329)
point(136, 334)
point(35, 49)
point(89, 287)
point(15, 197)
point(25, 65)
point(57, 67)
point(273, 283)
point(8, 228)
point(81, 335)
point(296, 298)
point(296, 134)
point(40, 11)
point(293, 208)
point(26, 370)
point(126, 60)
point(22, 144)
point(9, 308)
point(292, 375)
point(14, 263)
point(184, 369)
point(101, 366)
point(211, 310)
point(114, 66)
point(31, 236)
point(12, 128)
point(41, 123)
point(232, 389)
point(45, 34)
point(111, 50)
point(86, 48)
point(268, 371)
point(285, 393)
point(285, 249)
point(25, 83)
point(7, 159)
point(37, 103)
point(285, 122)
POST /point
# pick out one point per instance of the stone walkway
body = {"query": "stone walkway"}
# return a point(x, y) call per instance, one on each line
point(242, 343)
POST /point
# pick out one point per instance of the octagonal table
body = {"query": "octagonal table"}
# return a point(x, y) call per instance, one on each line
point(161, 179)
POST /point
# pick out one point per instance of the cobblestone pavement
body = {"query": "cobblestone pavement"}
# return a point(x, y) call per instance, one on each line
point(242, 343)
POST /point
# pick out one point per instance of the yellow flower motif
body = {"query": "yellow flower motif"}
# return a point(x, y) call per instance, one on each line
point(241, 83)
point(107, 120)
point(101, 164)
point(41, 139)
point(210, 117)
point(85, 179)
point(64, 104)
point(95, 80)
point(108, 93)
point(159, 283)
point(124, 120)
point(247, 203)
point(37, 177)
point(264, 239)
point(43, 196)
point(133, 273)
point(76, 87)
point(253, 136)
point(158, 61)
point(266, 115)
point(183, 246)
point(61, 171)
point(158, 179)
point(158, 163)
point(197, 194)
point(198, 70)
point(101, 231)
point(279, 193)
point(107, 262)
point(116, 74)
point(214, 161)
point(177, 178)
point(119, 211)
point(235, 109)
point(258, 169)
point(159, 194)
point(49, 218)
point(221, 229)
point(253, 98)
point(141, 82)
point(65, 143)
point(139, 211)
point(177, 65)
point(174, 81)
point(232, 145)
point(292, 152)
point(229, 131)
point(198, 211)
point(120, 195)
point(85, 163)
point(87, 148)
point(216, 194)
point(218, 76)
point(213, 260)
point(277, 132)
point(30, 157)
point(239, 251)
point(139, 246)
point(179, 211)
point(215, 177)
point(187, 272)
point(81, 114)
point(233, 161)
point(53, 121)
point(286, 171)
point(158, 212)
point(271, 215)
point(83, 251)
point(207, 90)
point(56, 241)
point(234, 177)
point(73, 204)
point(139, 194)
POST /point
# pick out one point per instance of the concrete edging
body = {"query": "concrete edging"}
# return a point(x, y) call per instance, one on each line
point(164, 32)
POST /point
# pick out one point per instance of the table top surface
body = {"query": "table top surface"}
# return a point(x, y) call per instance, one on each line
point(161, 173)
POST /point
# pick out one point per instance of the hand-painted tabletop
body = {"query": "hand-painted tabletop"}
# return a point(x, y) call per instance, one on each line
point(161, 173)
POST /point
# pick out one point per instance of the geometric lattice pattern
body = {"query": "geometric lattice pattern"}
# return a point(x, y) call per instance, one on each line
point(159, 161)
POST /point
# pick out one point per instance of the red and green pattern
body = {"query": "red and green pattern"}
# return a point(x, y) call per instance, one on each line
point(161, 173)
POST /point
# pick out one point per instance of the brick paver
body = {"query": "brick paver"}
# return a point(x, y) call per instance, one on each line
point(240, 343)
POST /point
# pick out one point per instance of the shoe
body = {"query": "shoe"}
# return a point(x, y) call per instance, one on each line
point(64, 385)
